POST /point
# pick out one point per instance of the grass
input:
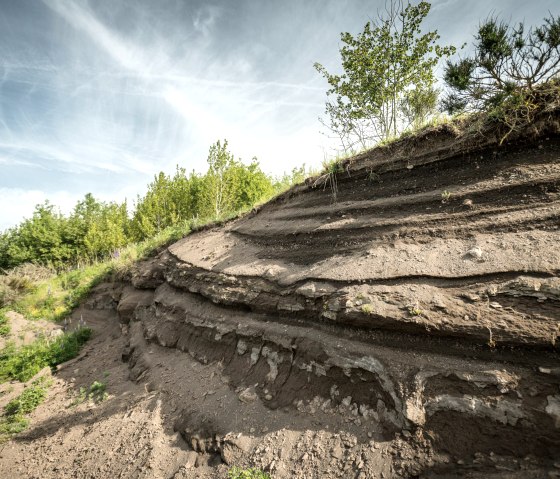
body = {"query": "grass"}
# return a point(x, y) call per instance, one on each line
point(4, 324)
point(14, 420)
point(251, 473)
point(55, 297)
point(23, 363)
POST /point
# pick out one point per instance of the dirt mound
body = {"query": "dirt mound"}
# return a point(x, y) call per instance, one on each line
point(407, 329)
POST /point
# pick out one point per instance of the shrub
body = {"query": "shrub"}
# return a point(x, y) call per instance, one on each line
point(24, 363)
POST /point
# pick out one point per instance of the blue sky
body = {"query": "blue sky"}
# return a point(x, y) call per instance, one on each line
point(99, 96)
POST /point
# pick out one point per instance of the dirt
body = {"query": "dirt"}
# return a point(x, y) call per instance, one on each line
point(408, 329)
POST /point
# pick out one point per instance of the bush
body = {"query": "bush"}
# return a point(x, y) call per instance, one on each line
point(22, 364)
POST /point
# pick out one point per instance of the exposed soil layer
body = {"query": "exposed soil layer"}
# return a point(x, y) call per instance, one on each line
point(399, 319)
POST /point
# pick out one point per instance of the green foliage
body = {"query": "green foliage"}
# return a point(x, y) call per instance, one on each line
point(97, 231)
point(229, 186)
point(13, 420)
point(54, 298)
point(388, 80)
point(507, 64)
point(4, 324)
point(28, 400)
point(97, 392)
point(251, 473)
point(367, 308)
point(25, 362)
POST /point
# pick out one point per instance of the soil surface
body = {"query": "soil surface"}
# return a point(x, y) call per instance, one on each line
point(398, 319)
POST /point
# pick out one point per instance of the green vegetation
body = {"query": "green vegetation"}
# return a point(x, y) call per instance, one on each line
point(13, 420)
point(251, 473)
point(388, 80)
point(24, 362)
point(4, 324)
point(367, 308)
point(445, 196)
point(507, 65)
point(97, 392)
point(96, 231)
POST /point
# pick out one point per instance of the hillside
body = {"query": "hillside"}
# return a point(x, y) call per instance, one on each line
point(398, 318)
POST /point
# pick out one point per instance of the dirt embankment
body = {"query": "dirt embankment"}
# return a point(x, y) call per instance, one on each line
point(408, 329)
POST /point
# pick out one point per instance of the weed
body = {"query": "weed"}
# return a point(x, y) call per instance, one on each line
point(97, 392)
point(24, 363)
point(330, 170)
point(13, 420)
point(373, 177)
point(251, 473)
point(367, 308)
point(415, 311)
point(445, 196)
point(4, 326)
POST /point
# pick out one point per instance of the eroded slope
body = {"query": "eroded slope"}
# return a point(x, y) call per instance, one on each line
point(424, 301)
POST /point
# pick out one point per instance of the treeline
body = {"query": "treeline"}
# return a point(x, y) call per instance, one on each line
point(95, 229)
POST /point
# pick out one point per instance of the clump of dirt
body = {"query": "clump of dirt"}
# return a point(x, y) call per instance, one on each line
point(408, 329)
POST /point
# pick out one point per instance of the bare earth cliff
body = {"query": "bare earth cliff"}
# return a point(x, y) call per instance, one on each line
point(408, 329)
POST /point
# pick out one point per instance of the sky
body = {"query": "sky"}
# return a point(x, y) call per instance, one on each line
point(99, 96)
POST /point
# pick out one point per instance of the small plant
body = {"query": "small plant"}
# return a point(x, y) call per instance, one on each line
point(373, 177)
point(328, 177)
point(4, 324)
point(97, 392)
point(415, 311)
point(13, 420)
point(445, 196)
point(251, 473)
point(367, 308)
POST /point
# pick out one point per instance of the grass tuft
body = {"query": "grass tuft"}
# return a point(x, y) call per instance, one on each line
point(251, 473)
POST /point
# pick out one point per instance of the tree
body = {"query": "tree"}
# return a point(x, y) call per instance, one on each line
point(387, 70)
point(219, 160)
point(507, 64)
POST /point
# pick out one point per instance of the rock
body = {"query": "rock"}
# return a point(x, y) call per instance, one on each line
point(475, 253)
point(337, 452)
point(190, 459)
point(248, 395)
point(553, 409)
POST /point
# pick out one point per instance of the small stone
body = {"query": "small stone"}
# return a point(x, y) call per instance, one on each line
point(475, 252)
point(248, 395)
